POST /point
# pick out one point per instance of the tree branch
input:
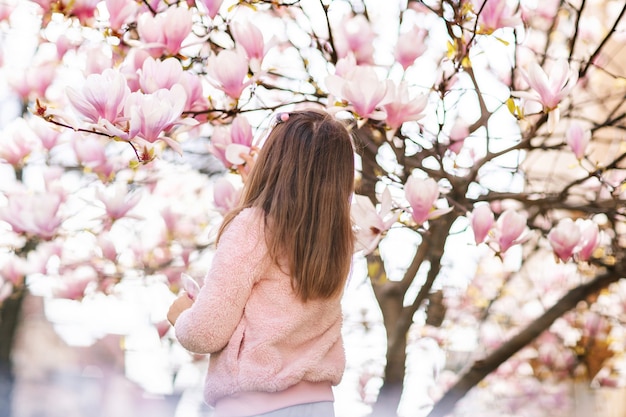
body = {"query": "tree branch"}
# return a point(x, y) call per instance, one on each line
point(595, 54)
point(481, 368)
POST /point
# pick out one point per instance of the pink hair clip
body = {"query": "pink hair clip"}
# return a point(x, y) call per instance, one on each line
point(282, 117)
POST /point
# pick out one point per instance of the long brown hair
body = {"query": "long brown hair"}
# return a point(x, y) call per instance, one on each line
point(303, 179)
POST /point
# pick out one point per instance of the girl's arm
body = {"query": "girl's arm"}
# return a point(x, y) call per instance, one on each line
point(207, 324)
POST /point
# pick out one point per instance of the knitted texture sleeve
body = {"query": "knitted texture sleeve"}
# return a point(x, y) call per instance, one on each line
point(208, 325)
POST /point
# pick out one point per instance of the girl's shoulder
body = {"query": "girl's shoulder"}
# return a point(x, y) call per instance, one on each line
point(249, 219)
point(250, 215)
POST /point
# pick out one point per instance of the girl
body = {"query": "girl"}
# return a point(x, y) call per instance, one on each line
point(269, 312)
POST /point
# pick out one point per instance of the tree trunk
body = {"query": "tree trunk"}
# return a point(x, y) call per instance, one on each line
point(9, 319)
point(389, 297)
point(390, 393)
point(388, 400)
point(388, 294)
point(481, 368)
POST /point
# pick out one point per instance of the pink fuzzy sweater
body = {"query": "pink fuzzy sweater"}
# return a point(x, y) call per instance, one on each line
point(268, 348)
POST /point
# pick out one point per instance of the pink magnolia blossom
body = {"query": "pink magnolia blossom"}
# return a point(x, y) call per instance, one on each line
point(156, 74)
point(212, 6)
point(595, 325)
point(32, 82)
point(120, 12)
point(615, 179)
point(458, 134)
point(228, 142)
point(13, 270)
point(422, 195)
point(364, 91)
point(106, 246)
point(578, 138)
point(564, 238)
point(220, 139)
point(510, 229)
point(162, 328)
point(132, 65)
point(165, 32)
point(550, 353)
point(482, 219)
point(170, 218)
point(225, 195)
point(410, 46)
point(101, 97)
point(241, 131)
point(74, 283)
point(241, 140)
point(182, 228)
point(250, 38)
point(35, 214)
point(190, 285)
point(550, 89)
point(64, 44)
point(344, 66)
point(178, 27)
point(52, 176)
point(401, 108)
point(96, 61)
point(151, 33)
point(495, 14)
point(152, 114)
point(91, 153)
point(354, 35)
point(371, 223)
point(48, 134)
point(38, 259)
point(589, 238)
point(196, 99)
point(17, 142)
point(84, 9)
point(234, 153)
point(117, 200)
point(229, 71)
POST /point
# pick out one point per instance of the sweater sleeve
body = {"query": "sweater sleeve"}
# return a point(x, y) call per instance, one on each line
point(207, 326)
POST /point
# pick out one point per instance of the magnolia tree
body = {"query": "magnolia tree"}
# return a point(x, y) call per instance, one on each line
point(490, 196)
